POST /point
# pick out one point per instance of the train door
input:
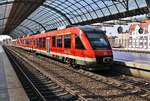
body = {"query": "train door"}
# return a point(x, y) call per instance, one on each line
point(48, 44)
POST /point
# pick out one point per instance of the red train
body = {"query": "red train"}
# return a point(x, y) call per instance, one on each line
point(81, 45)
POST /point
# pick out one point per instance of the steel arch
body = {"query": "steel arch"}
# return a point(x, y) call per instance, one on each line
point(59, 12)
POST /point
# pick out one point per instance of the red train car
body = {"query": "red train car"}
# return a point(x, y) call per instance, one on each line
point(81, 45)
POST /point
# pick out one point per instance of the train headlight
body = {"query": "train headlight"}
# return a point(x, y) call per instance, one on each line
point(107, 59)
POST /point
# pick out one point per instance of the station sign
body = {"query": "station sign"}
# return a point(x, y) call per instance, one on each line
point(140, 30)
point(120, 29)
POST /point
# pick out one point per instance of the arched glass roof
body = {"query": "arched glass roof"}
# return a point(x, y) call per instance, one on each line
point(4, 13)
point(56, 13)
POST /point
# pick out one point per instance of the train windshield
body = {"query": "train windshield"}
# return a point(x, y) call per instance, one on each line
point(98, 40)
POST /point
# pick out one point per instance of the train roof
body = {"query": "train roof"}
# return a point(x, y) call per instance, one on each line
point(89, 28)
point(86, 28)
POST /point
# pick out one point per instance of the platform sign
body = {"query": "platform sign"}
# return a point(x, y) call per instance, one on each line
point(120, 29)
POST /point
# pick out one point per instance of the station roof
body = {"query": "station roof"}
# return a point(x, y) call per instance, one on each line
point(24, 17)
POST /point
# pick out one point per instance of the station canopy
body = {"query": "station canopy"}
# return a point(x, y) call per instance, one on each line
point(25, 17)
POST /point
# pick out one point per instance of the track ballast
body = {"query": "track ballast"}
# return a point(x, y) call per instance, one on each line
point(86, 84)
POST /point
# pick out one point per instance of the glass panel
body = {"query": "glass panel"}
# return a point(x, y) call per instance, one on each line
point(78, 43)
point(59, 41)
point(121, 7)
point(54, 41)
point(141, 3)
point(98, 40)
point(75, 10)
point(105, 11)
point(67, 41)
point(113, 9)
point(132, 4)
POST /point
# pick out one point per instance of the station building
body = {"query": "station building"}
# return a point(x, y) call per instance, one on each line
point(119, 41)
point(139, 35)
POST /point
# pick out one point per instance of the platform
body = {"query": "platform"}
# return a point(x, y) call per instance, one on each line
point(135, 50)
point(10, 87)
point(133, 63)
point(142, 58)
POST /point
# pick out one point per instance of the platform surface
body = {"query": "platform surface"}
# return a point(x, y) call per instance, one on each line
point(10, 87)
point(142, 58)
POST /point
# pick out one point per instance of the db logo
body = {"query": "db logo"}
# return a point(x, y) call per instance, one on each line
point(105, 53)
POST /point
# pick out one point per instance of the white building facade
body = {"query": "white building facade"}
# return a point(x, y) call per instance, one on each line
point(137, 39)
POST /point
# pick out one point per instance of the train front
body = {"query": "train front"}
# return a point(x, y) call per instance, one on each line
point(101, 48)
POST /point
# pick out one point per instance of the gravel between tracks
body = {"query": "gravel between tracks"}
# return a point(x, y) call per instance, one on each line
point(98, 90)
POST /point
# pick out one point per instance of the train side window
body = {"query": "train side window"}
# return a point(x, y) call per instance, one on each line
point(28, 42)
point(44, 42)
point(54, 41)
point(37, 42)
point(67, 41)
point(34, 41)
point(78, 43)
point(59, 41)
point(40, 43)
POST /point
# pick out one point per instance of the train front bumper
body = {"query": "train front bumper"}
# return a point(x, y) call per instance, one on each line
point(101, 63)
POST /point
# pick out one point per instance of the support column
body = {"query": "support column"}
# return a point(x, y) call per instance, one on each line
point(148, 4)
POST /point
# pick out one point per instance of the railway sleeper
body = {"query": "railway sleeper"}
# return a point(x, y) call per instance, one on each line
point(55, 87)
point(51, 97)
point(62, 93)
point(46, 83)
point(58, 90)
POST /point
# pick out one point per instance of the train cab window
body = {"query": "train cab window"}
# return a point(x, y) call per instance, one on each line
point(98, 40)
point(67, 41)
point(54, 41)
point(78, 43)
point(59, 41)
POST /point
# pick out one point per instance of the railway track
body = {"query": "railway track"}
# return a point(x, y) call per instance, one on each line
point(124, 80)
point(128, 89)
point(29, 87)
point(38, 86)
